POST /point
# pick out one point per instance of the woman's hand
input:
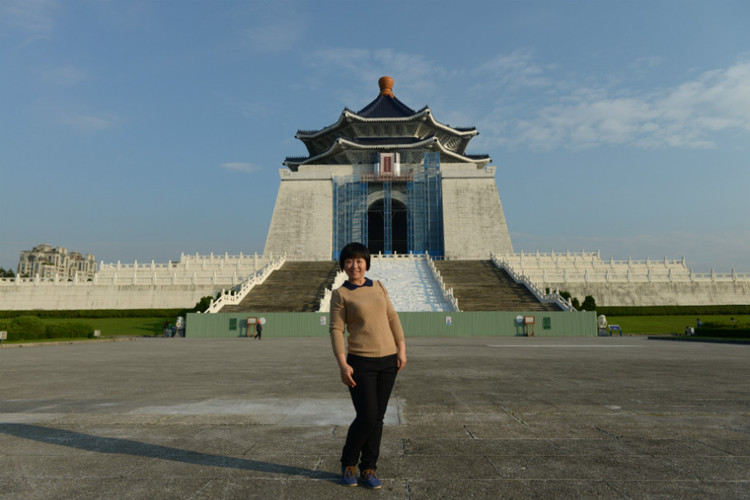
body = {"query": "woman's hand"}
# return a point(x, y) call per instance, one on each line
point(346, 375)
point(347, 371)
point(401, 356)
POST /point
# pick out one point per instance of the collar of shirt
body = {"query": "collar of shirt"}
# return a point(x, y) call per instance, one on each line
point(351, 286)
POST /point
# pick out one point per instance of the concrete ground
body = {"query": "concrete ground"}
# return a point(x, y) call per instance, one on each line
point(609, 417)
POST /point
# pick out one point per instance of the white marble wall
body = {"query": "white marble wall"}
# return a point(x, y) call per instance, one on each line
point(473, 219)
point(642, 282)
point(90, 296)
point(302, 221)
point(134, 285)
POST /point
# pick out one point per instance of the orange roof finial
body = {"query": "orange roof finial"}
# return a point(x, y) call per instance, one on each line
point(386, 86)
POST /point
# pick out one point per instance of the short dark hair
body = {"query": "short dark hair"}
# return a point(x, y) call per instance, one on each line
point(353, 250)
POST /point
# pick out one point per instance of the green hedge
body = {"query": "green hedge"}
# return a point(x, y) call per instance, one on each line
point(723, 333)
point(96, 313)
point(33, 328)
point(673, 310)
point(737, 329)
point(69, 330)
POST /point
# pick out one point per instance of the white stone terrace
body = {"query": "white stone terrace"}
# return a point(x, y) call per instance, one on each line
point(225, 268)
point(191, 269)
point(589, 267)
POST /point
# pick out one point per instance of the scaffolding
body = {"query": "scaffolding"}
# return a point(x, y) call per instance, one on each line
point(387, 218)
point(424, 209)
point(349, 212)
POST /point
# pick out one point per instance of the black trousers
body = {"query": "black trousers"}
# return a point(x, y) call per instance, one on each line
point(375, 378)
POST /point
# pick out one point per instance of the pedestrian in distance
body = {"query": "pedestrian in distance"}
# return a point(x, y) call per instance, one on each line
point(258, 330)
point(369, 360)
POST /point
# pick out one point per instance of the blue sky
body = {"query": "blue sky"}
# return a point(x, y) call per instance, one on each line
point(135, 130)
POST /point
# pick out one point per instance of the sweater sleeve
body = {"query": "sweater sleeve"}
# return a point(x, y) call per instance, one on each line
point(395, 323)
point(337, 323)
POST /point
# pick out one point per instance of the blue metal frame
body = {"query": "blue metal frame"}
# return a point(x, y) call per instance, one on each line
point(387, 218)
point(424, 211)
point(349, 212)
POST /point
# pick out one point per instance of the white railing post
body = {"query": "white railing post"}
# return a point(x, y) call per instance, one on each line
point(325, 302)
point(235, 296)
point(554, 298)
point(447, 293)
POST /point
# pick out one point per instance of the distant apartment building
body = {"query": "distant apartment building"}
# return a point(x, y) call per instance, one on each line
point(47, 262)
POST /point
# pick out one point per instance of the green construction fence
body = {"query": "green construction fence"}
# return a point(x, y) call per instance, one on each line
point(415, 324)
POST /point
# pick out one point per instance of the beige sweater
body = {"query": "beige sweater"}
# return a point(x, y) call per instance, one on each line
point(368, 314)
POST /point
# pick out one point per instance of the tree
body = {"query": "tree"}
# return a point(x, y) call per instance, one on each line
point(589, 304)
point(7, 273)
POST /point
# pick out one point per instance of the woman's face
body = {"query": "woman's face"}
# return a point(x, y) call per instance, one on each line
point(355, 270)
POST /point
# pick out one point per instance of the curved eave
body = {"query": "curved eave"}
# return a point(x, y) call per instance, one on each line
point(348, 116)
point(431, 143)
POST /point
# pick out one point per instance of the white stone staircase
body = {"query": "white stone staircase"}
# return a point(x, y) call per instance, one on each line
point(410, 283)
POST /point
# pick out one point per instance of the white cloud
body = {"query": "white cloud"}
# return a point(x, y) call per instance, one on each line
point(645, 64)
point(29, 15)
point(274, 37)
point(686, 116)
point(517, 69)
point(64, 75)
point(415, 77)
point(520, 102)
point(276, 25)
point(239, 167)
point(88, 123)
point(254, 110)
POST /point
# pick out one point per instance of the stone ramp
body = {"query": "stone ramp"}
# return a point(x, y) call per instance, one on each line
point(295, 287)
point(479, 285)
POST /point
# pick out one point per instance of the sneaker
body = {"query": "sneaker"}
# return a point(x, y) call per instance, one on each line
point(349, 476)
point(370, 480)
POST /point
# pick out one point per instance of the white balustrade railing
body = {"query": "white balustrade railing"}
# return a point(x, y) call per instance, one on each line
point(191, 270)
point(566, 259)
point(628, 276)
point(226, 257)
point(447, 292)
point(546, 298)
point(234, 297)
point(325, 302)
point(123, 279)
point(539, 267)
point(587, 267)
point(408, 256)
point(192, 263)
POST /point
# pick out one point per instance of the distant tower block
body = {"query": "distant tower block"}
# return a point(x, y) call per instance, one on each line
point(392, 178)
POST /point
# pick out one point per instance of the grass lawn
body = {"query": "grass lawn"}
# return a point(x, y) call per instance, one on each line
point(670, 325)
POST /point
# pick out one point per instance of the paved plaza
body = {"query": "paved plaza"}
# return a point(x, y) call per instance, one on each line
point(608, 417)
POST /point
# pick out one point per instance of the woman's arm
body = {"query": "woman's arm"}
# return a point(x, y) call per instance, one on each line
point(346, 370)
point(337, 323)
point(401, 356)
point(336, 329)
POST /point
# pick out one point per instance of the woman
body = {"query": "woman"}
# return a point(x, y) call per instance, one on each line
point(376, 353)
